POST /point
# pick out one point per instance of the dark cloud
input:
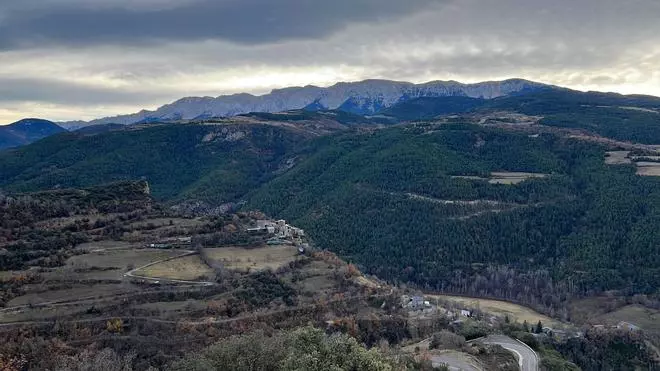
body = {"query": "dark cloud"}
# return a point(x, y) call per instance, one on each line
point(77, 58)
point(242, 21)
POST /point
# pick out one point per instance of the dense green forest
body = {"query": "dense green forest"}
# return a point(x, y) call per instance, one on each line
point(633, 118)
point(426, 108)
point(215, 163)
point(383, 200)
point(26, 131)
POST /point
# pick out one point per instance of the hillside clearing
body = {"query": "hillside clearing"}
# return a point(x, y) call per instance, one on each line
point(646, 318)
point(648, 168)
point(238, 258)
point(505, 177)
point(617, 158)
point(120, 258)
point(514, 311)
point(187, 268)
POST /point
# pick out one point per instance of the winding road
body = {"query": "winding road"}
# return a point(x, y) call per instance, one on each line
point(455, 361)
point(527, 358)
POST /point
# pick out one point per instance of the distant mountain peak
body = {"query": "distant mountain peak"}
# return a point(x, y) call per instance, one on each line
point(363, 97)
point(26, 131)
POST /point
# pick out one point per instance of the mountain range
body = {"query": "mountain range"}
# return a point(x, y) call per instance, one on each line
point(365, 97)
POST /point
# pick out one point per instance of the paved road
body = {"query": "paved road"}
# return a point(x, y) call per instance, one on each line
point(456, 361)
point(528, 360)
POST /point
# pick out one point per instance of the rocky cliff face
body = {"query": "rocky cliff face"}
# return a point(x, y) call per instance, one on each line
point(364, 97)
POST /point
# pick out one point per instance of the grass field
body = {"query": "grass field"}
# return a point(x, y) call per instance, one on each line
point(646, 318)
point(238, 258)
point(167, 222)
point(617, 158)
point(503, 177)
point(512, 178)
point(79, 292)
point(648, 168)
point(121, 258)
point(514, 311)
point(105, 245)
point(188, 268)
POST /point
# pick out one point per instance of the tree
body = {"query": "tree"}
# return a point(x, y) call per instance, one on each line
point(305, 348)
point(539, 328)
point(115, 325)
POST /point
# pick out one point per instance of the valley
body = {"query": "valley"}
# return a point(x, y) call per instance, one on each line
point(147, 237)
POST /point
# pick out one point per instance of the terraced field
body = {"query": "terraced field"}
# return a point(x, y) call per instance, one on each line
point(239, 258)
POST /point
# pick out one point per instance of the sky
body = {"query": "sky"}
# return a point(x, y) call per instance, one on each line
point(83, 59)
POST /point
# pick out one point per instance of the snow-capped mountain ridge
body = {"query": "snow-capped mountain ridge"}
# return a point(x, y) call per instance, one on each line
point(364, 97)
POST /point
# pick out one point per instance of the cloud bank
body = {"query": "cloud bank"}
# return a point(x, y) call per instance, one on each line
point(77, 59)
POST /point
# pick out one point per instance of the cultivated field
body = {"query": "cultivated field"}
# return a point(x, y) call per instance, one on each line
point(187, 268)
point(74, 293)
point(648, 168)
point(105, 245)
point(504, 177)
point(644, 168)
point(238, 258)
point(468, 177)
point(646, 318)
point(122, 259)
point(166, 222)
point(514, 311)
point(617, 158)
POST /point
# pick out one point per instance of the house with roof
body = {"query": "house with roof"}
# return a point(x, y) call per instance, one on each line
point(623, 325)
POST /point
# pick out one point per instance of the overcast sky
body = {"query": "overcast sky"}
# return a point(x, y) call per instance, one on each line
point(84, 59)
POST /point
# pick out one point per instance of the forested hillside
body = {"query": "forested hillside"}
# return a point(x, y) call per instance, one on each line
point(451, 207)
point(392, 202)
point(26, 131)
point(427, 108)
point(625, 117)
point(217, 163)
point(634, 118)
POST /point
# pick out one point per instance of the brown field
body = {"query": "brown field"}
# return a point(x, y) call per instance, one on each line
point(514, 311)
point(80, 292)
point(314, 278)
point(468, 177)
point(504, 177)
point(54, 223)
point(40, 313)
point(121, 258)
point(5, 275)
point(173, 308)
point(646, 318)
point(643, 158)
point(639, 109)
point(105, 245)
point(617, 158)
point(648, 168)
point(165, 222)
point(187, 268)
point(260, 258)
